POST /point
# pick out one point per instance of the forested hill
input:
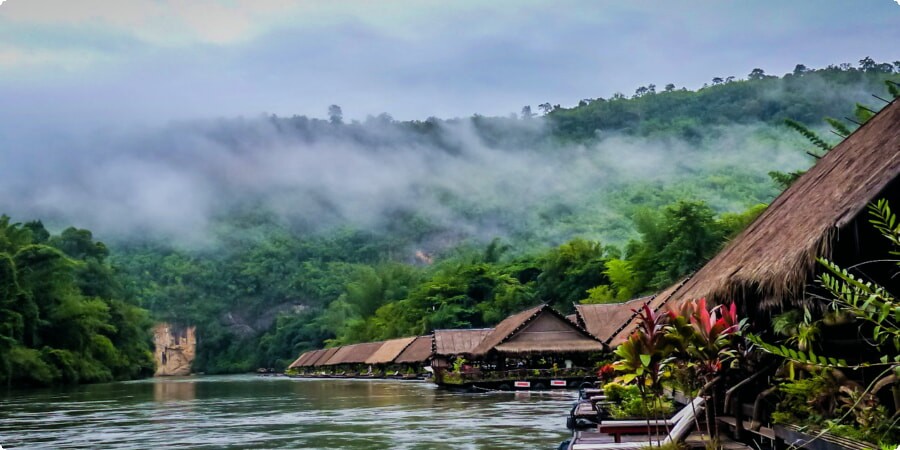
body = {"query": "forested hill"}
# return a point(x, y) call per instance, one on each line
point(274, 235)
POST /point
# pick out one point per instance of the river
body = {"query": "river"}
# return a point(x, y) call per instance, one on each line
point(246, 411)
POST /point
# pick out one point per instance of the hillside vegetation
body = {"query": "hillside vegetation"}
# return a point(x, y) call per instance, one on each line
point(344, 232)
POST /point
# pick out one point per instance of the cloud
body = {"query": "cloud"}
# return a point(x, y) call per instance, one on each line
point(412, 59)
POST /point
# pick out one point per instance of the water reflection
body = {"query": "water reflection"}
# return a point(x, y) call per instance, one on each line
point(273, 412)
point(166, 390)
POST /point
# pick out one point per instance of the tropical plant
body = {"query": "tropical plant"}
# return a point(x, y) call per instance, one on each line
point(877, 312)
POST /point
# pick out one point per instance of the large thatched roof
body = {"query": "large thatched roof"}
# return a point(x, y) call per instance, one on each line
point(775, 256)
point(605, 320)
point(390, 350)
point(458, 342)
point(354, 354)
point(538, 330)
point(418, 351)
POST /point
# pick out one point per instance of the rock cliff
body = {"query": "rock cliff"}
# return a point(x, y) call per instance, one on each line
point(176, 347)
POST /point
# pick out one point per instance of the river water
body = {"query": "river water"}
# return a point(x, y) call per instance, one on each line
point(247, 411)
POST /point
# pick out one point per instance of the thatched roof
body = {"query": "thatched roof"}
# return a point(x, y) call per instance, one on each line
point(458, 342)
point(418, 351)
point(538, 330)
point(354, 354)
point(325, 356)
point(299, 362)
point(390, 350)
point(775, 256)
point(605, 320)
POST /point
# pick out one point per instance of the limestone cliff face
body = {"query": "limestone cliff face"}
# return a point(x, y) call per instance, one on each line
point(176, 347)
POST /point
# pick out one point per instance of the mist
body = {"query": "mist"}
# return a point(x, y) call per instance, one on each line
point(173, 182)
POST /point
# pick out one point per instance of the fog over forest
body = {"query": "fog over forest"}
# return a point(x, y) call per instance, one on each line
point(172, 181)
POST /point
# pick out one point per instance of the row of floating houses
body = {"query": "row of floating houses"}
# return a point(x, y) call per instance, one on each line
point(769, 268)
point(538, 348)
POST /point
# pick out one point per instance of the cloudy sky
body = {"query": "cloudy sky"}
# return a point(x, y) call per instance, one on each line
point(100, 61)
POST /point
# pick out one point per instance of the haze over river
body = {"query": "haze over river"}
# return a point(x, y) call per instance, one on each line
point(247, 411)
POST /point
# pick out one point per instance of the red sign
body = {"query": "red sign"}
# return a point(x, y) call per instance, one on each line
point(560, 383)
point(522, 384)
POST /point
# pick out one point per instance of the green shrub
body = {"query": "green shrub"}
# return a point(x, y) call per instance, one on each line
point(635, 407)
point(616, 392)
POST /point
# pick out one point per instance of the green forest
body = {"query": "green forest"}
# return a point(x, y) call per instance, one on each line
point(265, 286)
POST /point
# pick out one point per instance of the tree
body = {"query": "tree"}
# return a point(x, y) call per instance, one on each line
point(335, 115)
point(545, 108)
point(757, 74)
point(670, 87)
point(526, 112)
point(867, 64)
point(800, 70)
point(717, 80)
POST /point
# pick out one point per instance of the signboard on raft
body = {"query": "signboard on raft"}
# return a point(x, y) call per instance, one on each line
point(522, 384)
point(558, 383)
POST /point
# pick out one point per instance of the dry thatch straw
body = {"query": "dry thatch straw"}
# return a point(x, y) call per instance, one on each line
point(458, 342)
point(353, 354)
point(419, 351)
point(390, 350)
point(538, 330)
point(776, 255)
point(605, 320)
point(325, 356)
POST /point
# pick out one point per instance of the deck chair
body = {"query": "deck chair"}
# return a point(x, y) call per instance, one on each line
point(619, 427)
point(682, 423)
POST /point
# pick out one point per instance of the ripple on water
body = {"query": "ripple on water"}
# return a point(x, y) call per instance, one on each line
point(275, 412)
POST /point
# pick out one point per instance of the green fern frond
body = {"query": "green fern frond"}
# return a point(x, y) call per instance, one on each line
point(808, 134)
point(797, 355)
point(838, 126)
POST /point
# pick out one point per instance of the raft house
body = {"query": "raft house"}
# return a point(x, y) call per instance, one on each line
point(772, 268)
point(538, 348)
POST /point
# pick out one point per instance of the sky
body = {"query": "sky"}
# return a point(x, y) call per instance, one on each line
point(96, 63)
point(123, 116)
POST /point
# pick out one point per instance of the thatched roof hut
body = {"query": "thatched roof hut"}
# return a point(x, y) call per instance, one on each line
point(390, 350)
point(774, 259)
point(419, 351)
point(325, 356)
point(606, 320)
point(458, 342)
point(354, 354)
point(538, 330)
